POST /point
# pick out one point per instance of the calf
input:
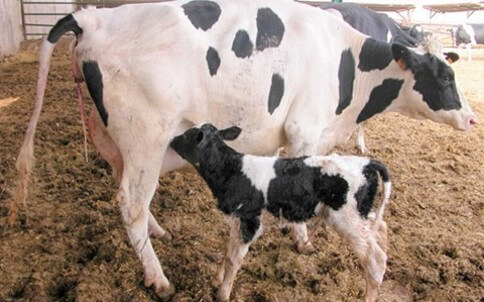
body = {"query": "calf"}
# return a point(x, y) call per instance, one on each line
point(340, 188)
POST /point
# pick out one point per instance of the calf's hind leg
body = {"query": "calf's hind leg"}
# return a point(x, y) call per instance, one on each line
point(365, 242)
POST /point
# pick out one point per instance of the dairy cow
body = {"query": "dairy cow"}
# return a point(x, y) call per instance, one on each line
point(286, 73)
point(376, 25)
point(468, 34)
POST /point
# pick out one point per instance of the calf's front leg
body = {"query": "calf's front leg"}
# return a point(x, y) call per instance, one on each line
point(242, 233)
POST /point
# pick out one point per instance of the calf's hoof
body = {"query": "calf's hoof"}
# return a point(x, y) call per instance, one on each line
point(306, 248)
point(223, 295)
point(161, 290)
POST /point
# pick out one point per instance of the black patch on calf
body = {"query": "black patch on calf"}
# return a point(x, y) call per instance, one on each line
point(380, 98)
point(202, 14)
point(434, 79)
point(270, 29)
point(346, 76)
point(374, 55)
point(242, 45)
point(68, 23)
point(298, 189)
point(94, 82)
point(248, 228)
point(366, 193)
point(276, 92)
point(213, 61)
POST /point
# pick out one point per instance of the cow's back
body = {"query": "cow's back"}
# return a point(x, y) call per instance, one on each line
point(478, 33)
point(247, 66)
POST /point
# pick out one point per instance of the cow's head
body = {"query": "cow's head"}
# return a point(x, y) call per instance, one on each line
point(199, 142)
point(432, 88)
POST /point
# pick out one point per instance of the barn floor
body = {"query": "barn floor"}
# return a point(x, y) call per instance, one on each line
point(69, 243)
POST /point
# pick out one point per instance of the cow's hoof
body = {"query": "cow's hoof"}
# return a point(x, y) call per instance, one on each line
point(223, 295)
point(161, 234)
point(163, 291)
point(306, 248)
point(166, 237)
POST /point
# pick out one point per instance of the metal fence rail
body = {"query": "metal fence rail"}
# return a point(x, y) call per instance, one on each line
point(32, 26)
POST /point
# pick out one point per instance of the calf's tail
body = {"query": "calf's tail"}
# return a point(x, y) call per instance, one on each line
point(25, 158)
point(387, 188)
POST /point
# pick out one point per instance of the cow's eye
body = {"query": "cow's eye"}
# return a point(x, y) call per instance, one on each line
point(446, 79)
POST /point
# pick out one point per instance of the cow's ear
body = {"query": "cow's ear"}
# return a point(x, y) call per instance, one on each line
point(199, 137)
point(451, 57)
point(402, 55)
point(229, 134)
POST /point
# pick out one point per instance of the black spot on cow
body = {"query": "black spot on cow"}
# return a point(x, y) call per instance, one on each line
point(346, 76)
point(213, 61)
point(248, 228)
point(298, 189)
point(242, 45)
point(374, 55)
point(202, 14)
point(276, 92)
point(67, 23)
point(94, 82)
point(270, 29)
point(380, 98)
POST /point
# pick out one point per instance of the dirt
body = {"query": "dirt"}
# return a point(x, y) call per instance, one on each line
point(69, 243)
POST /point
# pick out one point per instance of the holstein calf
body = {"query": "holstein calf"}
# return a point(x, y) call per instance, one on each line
point(340, 188)
point(290, 75)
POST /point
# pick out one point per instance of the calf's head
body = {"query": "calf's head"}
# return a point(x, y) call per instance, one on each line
point(199, 142)
point(432, 91)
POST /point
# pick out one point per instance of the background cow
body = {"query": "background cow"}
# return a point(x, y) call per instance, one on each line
point(288, 74)
point(468, 34)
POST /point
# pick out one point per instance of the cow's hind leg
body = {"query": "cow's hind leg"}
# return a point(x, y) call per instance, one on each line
point(138, 184)
point(366, 243)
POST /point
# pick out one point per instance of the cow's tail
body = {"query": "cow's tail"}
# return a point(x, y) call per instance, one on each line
point(387, 188)
point(25, 158)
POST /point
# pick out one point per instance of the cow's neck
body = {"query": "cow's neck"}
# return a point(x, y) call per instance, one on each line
point(377, 88)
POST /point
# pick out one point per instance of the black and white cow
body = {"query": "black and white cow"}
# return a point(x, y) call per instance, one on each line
point(417, 32)
point(287, 73)
point(376, 25)
point(468, 34)
point(340, 188)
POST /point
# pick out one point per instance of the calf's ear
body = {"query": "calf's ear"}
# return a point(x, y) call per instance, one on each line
point(402, 55)
point(229, 134)
point(451, 57)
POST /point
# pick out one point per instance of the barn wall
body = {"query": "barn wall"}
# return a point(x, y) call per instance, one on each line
point(10, 27)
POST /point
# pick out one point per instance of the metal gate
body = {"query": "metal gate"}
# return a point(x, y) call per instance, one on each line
point(39, 16)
